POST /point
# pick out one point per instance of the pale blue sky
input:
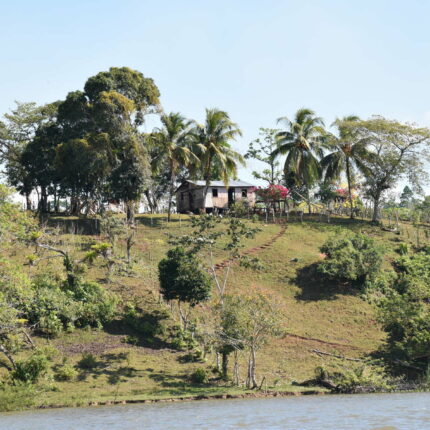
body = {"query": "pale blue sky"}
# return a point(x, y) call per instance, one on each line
point(258, 60)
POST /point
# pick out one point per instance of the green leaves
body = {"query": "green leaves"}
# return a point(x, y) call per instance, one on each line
point(352, 258)
point(183, 278)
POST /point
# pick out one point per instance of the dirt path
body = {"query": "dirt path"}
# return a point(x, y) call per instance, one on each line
point(255, 250)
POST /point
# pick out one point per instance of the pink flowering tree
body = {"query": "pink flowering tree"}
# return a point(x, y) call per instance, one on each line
point(272, 194)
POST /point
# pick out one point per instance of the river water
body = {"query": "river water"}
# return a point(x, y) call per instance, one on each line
point(373, 411)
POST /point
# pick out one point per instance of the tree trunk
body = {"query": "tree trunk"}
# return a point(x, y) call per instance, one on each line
point(151, 203)
point(27, 201)
point(130, 212)
point(129, 243)
point(43, 204)
point(252, 368)
point(236, 369)
point(224, 370)
point(8, 355)
point(348, 178)
point(376, 202)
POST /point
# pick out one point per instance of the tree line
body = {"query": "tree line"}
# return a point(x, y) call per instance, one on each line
point(90, 149)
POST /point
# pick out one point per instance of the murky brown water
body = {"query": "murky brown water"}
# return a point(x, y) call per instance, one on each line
point(377, 412)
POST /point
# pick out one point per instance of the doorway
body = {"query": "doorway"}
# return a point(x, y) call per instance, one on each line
point(231, 196)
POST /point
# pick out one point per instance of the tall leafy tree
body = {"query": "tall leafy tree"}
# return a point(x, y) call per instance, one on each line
point(348, 153)
point(302, 142)
point(173, 141)
point(212, 147)
point(37, 159)
point(16, 132)
point(396, 151)
point(110, 109)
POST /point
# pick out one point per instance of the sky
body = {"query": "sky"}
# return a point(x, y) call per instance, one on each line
point(257, 60)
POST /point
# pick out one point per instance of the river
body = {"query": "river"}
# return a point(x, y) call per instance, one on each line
point(407, 411)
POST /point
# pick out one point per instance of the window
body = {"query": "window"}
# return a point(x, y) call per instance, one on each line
point(182, 197)
point(244, 193)
point(214, 192)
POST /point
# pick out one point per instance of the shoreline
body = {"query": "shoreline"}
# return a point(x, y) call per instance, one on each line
point(256, 395)
point(199, 397)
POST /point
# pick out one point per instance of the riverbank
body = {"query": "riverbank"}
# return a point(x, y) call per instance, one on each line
point(246, 395)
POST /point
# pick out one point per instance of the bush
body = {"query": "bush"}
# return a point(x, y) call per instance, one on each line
point(404, 311)
point(98, 306)
point(55, 307)
point(13, 398)
point(131, 340)
point(352, 258)
point(88, 361)
point(183, 278)
point(403, 249)
point(363, 379)
point(239, 209)
point(359, 379)
point(30, 369)
point(199, 376)
point(148, 324)
point(183, 341)
point(66, 373)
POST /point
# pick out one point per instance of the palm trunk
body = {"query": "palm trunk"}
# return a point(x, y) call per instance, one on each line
point(348, 178)
point(171, 191)
point(308, 198)
point(207, 183)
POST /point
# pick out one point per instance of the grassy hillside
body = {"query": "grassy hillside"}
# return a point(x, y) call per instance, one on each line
point(324, 317)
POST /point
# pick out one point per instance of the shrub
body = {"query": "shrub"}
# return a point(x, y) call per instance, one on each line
point(148, 324)
point(88, 361)
point(30, 369)
point(352, 258)
point(182, 277)
point(239, 209)
point(404, 311)
point(55, 307)
point(14, 398)
point(98, 306)
point(199, 376)
point(131, 340)
point(363, 378)
point(66, 373)
point(403, 249)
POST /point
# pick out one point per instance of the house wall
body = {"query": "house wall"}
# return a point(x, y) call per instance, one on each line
point(220, 202)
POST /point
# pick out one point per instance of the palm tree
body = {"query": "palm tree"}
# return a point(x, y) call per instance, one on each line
point(173, 143)
point(212, 146)
point(302, 142)
point(348, 154)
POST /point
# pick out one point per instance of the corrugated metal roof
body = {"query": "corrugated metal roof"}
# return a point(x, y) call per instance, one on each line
point(238, 183)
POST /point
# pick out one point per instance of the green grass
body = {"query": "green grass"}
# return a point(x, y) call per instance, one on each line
point(328, 318)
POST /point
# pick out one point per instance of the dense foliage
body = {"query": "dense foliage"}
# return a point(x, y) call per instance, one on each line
point(405, 310)
point(353, 258)
point(183, 278)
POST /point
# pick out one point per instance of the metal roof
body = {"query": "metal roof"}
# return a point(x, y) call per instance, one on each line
point(238, 183)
